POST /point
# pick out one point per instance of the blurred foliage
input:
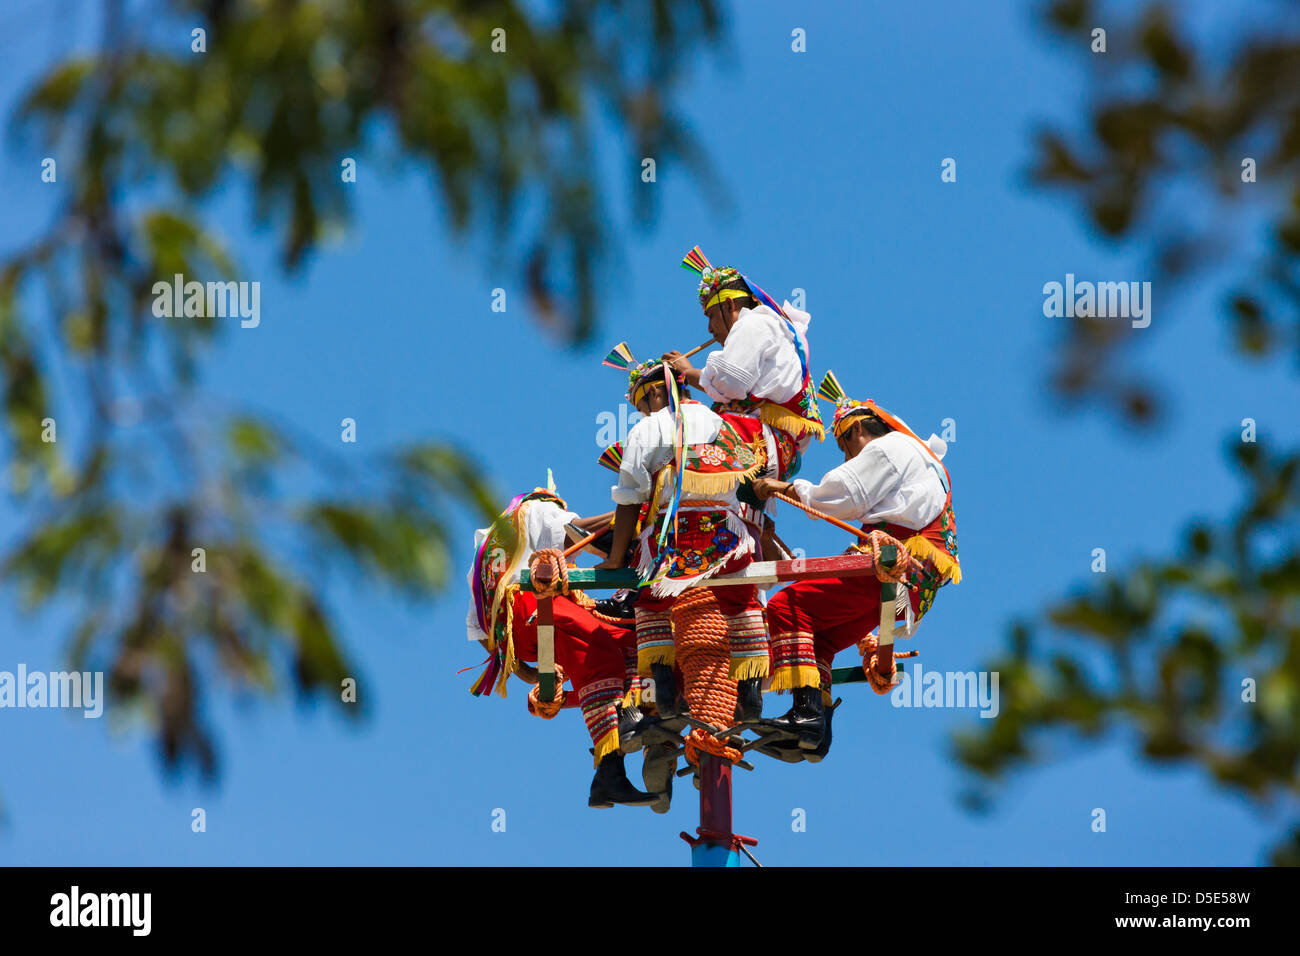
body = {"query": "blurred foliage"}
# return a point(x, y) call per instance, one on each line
point(1161, 652)
point(145, 470)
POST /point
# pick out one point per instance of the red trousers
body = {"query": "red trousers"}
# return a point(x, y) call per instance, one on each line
point(811, 621)
point(593, 655)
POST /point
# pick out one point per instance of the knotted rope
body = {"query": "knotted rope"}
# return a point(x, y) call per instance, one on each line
point(700, 632)
point(870, 649)
point(872, 542)
point(557, 581)
point(548, 710)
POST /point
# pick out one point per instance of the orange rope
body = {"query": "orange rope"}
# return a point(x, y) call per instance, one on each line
point(700, 632)
point(872, 541)
point(558, 579)
point(548, 710)
point(875, 540)
point(881, 683)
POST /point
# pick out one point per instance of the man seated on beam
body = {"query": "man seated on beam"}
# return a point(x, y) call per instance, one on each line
point(892, 481)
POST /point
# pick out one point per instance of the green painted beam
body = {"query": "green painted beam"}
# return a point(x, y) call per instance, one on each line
point(854, 675)
point(586, 577)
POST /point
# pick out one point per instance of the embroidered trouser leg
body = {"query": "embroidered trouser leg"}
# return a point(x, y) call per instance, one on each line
point(654, 633)
point(746, 631)
point(836, 612)
point(592, 656)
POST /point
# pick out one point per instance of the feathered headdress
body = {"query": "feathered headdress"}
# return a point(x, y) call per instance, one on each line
point(845, 408)
point(621, 358)
point(713, 279)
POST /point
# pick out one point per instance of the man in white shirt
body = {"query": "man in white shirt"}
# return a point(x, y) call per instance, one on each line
point(591, 652)
point(711, 533)
point(890, 480)
point(764, 368)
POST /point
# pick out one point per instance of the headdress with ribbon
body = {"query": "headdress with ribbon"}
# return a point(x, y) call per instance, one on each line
point(712, 280)
point(847, 408)
point(640, 375)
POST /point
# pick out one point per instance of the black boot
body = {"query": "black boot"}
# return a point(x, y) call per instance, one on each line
point(632, 725)
point(806, 719)
point(823, 748)
point(665, 689)
point(749, 700)
point(611, 786)
point(621, 605)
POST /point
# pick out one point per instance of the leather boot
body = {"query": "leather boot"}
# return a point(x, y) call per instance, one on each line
point(621, 604)
point(749, 700)
point(665, 689)
point(611, 786)
point(806, 719)
point(632, 725)
point(823, 748)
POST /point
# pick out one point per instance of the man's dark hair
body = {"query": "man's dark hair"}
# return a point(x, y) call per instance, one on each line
point(656, 372)
point(871, 424)
point(738, 282)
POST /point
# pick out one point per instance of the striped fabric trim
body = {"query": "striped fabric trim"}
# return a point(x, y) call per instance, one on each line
point(747, 642)
point(794, 661)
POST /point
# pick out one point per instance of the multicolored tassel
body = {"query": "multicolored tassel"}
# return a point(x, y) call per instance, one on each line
point(695, 261)
point(830, 389)
point(620, 357)
point(612, 457)
point(489, 676)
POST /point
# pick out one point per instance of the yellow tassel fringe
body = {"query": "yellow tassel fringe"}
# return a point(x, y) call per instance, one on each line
point(788, 678)
point(606, 745)
point(743, 668)
point(927, 550)
point(778, 416)
point(654, 655)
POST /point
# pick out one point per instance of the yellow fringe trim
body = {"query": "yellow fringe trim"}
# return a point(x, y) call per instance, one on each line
point(633, 697)
point(718, 483)
point(788, 678)
point(606, 745)
point(927, 550)
point(778, 416)
point(654, 655)
point(743, 668)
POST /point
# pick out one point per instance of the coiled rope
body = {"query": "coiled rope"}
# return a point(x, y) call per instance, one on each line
point(700, 632)
point(548, 710)
point(556, 581)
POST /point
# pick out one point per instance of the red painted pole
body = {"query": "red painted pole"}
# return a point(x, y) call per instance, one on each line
point(716, 845)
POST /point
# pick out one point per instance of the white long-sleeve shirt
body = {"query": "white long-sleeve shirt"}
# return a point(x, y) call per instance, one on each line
point(544, 523)
point(649, 447)
point(892, 479)
point(758, 358)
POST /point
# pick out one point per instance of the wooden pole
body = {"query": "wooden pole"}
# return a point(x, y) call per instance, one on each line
point(715, 816)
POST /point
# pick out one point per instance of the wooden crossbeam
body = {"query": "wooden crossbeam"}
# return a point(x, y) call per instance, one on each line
point(761, 573)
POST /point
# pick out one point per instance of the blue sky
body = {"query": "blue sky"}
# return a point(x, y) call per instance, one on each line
point(925, 296)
